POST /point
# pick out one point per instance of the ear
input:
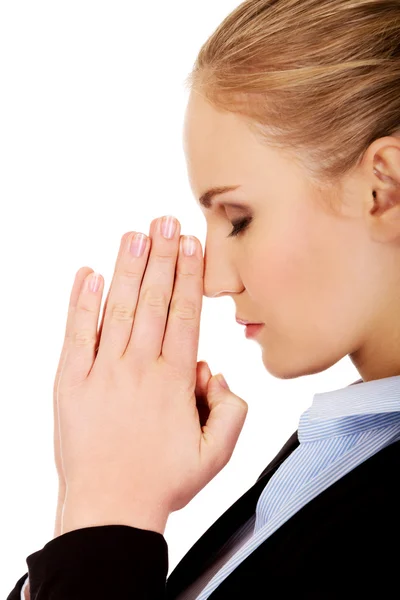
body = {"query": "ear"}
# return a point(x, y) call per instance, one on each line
point(384, 209)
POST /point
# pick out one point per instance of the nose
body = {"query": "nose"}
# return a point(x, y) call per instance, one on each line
point(220, 276)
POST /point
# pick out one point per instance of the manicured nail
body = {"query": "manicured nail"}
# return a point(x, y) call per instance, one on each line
point(168, 227)
point(138, 244)
point(221, 380)
point(189, 245)
point(93, 282)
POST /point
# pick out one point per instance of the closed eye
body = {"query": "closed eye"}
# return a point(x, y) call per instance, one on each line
point(240, 226)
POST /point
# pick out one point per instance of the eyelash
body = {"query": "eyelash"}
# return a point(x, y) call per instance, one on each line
point(240, 226)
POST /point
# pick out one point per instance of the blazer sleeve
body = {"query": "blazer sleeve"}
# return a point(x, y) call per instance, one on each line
point(109, 561)
point(17, 591)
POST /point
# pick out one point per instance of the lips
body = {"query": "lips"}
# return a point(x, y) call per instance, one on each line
point(243, 322)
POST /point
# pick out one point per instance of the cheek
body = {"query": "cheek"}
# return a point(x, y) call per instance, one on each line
point(300, 281)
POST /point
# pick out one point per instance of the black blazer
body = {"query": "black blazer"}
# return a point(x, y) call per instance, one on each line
point(342, 544)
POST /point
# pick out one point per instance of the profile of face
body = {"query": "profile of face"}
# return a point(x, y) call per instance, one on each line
point(313, 276)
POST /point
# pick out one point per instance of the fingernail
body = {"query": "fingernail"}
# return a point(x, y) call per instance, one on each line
point(138, 244)
point(168, 227)
point(189, 246)
point(93, 282)
point(221, 380)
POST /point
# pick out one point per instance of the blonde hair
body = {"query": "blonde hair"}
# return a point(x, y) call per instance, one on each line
point(317, 78)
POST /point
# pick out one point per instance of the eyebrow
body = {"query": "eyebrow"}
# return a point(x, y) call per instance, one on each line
point(207, 198)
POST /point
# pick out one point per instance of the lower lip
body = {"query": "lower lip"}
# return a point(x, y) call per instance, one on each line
point(252, 330)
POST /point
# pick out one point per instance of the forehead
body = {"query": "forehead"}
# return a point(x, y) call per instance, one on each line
point(207, 126)
point(220, 148)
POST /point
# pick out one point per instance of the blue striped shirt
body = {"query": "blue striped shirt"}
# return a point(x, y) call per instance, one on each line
point(340, 430)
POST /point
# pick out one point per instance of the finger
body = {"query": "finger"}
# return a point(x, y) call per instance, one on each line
point(76, 288)
point(203, 375)
point(122, 299)
point(181, 340)
point(228, 413)
point(121, 247)
point(155, 295)
point(81, 352)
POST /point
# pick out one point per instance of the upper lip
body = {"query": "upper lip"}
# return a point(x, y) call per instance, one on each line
point(244, 322)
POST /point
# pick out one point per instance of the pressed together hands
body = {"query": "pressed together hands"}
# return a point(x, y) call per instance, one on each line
point(139, 425)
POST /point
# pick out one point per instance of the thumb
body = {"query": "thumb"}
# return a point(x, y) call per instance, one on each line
point(225, 422)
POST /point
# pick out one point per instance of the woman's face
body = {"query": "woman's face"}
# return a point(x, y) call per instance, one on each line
point(310, 274)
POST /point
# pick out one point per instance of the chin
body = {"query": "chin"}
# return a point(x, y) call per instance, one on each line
point(289, 368)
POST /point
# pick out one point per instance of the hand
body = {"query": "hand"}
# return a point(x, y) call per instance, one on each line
point(73, 301)
point(203, 377)
point(133, 445)
point(79, 279)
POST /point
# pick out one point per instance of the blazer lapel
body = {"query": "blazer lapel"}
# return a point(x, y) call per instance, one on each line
point(204, 551)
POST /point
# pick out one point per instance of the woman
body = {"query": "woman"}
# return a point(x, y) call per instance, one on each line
point(295, 106)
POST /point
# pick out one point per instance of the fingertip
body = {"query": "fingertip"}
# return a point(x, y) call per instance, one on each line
point(83, 272)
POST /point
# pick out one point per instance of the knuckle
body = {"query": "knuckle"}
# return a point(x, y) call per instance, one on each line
point(164, 257)
point(87, 309)
point(121, 312)
point(185, 311)
point(83, 338)
point(183, 274)
point(131, 276)
point(157, 302)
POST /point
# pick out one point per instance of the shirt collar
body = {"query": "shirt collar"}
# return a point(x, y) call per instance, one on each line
point(367, 397)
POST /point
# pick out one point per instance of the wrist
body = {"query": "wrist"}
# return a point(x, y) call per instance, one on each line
point(27, 592)
point(83, 510)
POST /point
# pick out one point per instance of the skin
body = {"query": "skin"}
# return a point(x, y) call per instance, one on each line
point(325, 281)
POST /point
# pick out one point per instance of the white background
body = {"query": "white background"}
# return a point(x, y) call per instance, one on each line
point(92, 103)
